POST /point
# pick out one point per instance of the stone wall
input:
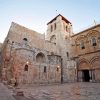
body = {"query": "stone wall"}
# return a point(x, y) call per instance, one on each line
point(88, 58)
point(61, 37)
point(28, 57)
point(0, 58)
point(19, 53)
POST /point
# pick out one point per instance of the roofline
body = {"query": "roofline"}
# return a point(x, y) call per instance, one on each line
point(86, 30)
point(63, 18)
point(24, 27)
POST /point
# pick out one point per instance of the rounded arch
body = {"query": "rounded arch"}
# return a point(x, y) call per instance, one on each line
point(95, 62)
point(26, 68)
point(25, 39)
point(53, 39)
point(93, 33)
point(81, 37)
point(40, 57)
point(92, 37)
point(84, 64)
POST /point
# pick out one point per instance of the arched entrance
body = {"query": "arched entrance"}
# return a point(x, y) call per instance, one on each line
point(86, 75)
point(40, 58)
point(96, 68)
point(84, 71)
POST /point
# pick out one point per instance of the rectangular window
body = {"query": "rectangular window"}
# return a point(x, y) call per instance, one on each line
point(45, 69)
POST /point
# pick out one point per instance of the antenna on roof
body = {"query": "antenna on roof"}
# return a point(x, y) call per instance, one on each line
point(57, 12)
point(95, 22)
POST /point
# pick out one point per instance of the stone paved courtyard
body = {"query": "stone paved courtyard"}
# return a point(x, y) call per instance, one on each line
point(68, 91)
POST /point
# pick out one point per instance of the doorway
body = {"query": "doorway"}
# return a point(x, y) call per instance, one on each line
point(86, 75)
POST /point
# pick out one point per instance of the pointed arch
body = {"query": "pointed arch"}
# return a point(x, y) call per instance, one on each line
point(81, 37)
point(84, 64)
point(93, 33)
point(95, 62)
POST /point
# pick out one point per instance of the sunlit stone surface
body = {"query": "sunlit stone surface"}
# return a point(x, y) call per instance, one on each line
point(68, 91)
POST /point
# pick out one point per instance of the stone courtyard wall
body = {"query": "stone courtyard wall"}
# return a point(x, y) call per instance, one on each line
point(89, 57)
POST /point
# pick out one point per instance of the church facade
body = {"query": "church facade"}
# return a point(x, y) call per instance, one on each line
point(29, 57)
point(86, 50)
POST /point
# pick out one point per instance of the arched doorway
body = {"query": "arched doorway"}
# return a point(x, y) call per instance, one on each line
point(84, 71)
point(96, 68)
point(86, 75)
point(40, 58)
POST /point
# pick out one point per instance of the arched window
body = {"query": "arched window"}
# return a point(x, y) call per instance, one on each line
point(53, 39)
point(57, 69)
point(51, 28)
point(25, 39)
point(67, 54)
point(40, 58)
point(55, 26)
point(26, 68)
point(66, 28)
point(94, 42)
point(82, 46)
point(45, 69)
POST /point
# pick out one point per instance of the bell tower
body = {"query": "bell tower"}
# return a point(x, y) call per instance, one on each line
point(59, 31)
point(58, 25)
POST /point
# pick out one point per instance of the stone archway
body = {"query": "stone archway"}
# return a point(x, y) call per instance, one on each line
point(84, 70)
point(95, 63)
point(40, 58)
point(83, 64)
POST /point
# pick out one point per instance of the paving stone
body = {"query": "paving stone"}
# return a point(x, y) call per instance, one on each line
point(5, 93)
point(68, 91)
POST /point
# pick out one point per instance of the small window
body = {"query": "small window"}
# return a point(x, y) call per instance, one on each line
point(26, 68)
point(57, 69)
point(64, 26)
point(67, 54)
point(94, 42)
point(45, 69)
point(25, 39)
point(51, 28)
point(66, 29)
point(82, 45)
point(55, 26)
point(7, 40)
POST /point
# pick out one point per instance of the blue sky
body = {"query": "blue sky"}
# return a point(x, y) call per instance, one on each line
point(35, 14)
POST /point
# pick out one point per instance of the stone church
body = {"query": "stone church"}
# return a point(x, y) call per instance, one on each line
point(29, 57)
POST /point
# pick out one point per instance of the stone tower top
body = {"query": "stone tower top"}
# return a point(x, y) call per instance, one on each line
point(62, 17)
point(58, 26)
